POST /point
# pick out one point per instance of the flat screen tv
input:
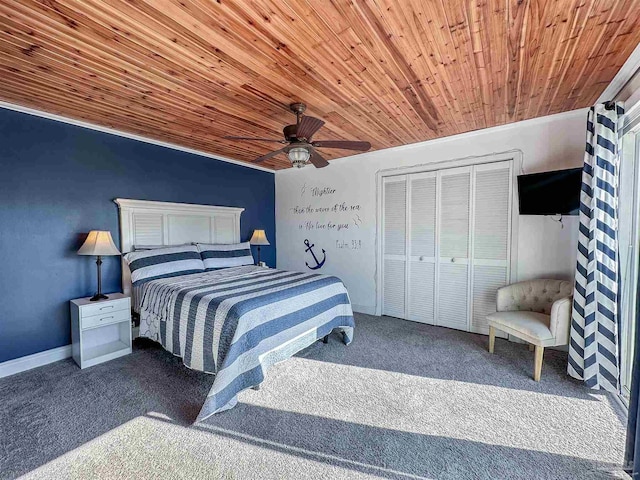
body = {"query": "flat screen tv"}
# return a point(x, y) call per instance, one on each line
point(550, 193)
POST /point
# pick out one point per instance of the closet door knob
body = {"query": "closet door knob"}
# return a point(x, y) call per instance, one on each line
point(453, 260)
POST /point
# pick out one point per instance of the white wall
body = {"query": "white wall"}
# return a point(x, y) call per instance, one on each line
point(342, 218)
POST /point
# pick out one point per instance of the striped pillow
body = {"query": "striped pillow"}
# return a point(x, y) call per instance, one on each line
point(223, 256)
point(148, 265)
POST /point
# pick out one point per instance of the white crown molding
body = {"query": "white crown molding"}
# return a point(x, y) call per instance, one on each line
point(581, 112)
point(127, 203)
point(628, 69)
point(399, 148)
point(131, 136)
point(23, 364)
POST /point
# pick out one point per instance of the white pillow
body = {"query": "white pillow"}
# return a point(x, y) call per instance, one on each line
point(165, 262)
point(224, 256)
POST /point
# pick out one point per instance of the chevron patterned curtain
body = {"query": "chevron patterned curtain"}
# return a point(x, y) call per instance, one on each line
point(594, 348)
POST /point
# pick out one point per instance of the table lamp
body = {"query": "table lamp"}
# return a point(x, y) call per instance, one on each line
point(259, 238)
point(99, 244)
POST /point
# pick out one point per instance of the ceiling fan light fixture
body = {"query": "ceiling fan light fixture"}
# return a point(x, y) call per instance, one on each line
point(300, 147)
point(298, 156)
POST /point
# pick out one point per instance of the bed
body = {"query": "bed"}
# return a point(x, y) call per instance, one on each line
point(232, 322)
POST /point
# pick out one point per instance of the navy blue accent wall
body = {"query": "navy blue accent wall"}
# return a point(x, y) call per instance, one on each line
point(57, 182)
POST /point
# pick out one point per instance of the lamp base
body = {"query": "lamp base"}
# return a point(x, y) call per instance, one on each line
point(98, 296)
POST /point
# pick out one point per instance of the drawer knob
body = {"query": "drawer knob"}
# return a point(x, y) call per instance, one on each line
point(107, 306)
point(106, 318)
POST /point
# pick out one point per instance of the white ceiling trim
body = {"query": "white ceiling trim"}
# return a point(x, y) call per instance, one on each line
point(625, 73)
point(131, 136)
point(140, 138)
point(461, 136)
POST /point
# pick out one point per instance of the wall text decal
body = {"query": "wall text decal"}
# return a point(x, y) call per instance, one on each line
point(329, 223)
point(324, 211)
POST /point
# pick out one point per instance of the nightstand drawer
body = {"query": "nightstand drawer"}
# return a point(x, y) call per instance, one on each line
point(106, 306)
point(105, 319)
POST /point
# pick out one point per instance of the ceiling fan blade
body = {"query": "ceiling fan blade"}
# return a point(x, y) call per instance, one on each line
point(308, 126)
point(270, 154)
point(318, 160)
point(344, 144)
point(254, 139)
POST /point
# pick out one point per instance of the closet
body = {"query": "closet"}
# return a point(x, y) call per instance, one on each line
point(446, 244)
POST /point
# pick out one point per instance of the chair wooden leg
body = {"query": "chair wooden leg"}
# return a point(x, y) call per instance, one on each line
point(531, 347)
point(492, 339)
point(537, 366)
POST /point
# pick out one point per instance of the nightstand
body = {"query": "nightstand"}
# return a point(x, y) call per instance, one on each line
point(100, 330)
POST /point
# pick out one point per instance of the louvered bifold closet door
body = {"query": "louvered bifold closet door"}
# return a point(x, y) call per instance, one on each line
point(491, 239)
point(394, 228)
point(454, 236)
point(422, 247)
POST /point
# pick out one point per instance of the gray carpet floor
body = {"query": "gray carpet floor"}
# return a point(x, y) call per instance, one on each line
point(404, 400)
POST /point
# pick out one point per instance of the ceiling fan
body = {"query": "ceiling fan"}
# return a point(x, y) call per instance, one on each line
point(300, 148)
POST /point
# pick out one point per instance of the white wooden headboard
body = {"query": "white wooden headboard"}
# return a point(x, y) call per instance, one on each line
point(145, 222)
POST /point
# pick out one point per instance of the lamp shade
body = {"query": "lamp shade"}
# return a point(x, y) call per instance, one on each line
point(259, 238)
point(98, 243)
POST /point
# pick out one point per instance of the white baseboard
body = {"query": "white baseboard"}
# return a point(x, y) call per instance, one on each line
point(23, 364)
point(370, 310)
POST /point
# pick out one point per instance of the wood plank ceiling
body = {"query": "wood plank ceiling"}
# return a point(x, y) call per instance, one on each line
point(388, 71)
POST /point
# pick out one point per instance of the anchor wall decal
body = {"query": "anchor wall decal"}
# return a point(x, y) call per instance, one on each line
point(310, 249)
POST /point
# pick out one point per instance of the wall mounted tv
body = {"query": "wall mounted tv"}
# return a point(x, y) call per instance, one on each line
point(550, 193)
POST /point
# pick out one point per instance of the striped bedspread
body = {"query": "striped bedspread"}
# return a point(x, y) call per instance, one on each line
point(238, 321)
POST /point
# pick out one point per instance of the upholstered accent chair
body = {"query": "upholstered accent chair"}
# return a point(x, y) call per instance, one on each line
point(536, 311)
